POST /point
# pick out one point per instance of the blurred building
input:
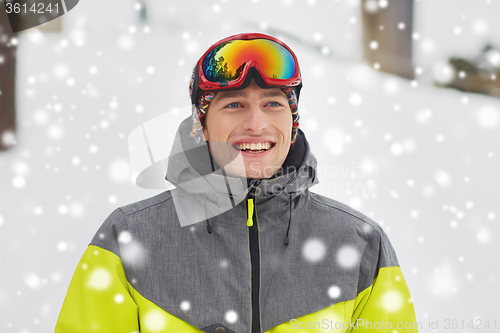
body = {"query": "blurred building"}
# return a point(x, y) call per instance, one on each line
point(7, 83)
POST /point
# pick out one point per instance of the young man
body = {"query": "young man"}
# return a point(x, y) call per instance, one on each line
point(268, 255)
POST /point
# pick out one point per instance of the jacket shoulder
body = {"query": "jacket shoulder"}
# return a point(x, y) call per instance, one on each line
point(146, 203)
point(355, 215)
point(358, 223)
point(116, 227)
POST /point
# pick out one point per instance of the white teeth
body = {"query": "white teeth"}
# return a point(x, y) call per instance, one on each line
point(255, 146)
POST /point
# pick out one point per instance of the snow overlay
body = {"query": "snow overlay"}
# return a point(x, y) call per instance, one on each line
point(419, 160)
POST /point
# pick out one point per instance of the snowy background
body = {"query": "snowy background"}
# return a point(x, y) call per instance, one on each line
point(419, 160)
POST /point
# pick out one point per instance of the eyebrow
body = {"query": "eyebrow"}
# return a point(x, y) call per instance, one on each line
point(241, 93)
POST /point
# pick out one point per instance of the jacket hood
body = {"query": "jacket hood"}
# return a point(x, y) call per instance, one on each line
point(203, 190)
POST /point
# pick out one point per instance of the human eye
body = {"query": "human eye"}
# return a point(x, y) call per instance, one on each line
point(274, 103)
point(233, 105)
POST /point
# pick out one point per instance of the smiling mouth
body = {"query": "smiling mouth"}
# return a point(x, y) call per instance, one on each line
point(254, 148)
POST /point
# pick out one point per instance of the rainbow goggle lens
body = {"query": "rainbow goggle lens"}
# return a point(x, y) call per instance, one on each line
point(227, 63)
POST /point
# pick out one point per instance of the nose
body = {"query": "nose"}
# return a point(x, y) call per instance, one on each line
point(255, 119)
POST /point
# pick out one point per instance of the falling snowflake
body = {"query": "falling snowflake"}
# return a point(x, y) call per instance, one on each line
point(99, 279)
point(63, 209)
point(125, 42)
point(119, 171)
point(488, 117)
point(334, 292)
point(442, 178)
point(124, 237)
point(41, 117)
point(371, 6)
point(33, 281)
point(231, 316)
point(314, 250)
point(480, 27)
point(62, 246)
point(154, 321)
point(334, 140)
point(224, 263)
point(392, 301)
point(133, 254)
point(397, 148)
point(185, 306)
point(348, 257)
point(355, 202)
point(55, 131)
point(19, 182)
point(444, 73)
point(355, 99)
point(423, 116)
point(391, 87)
point(483, 236)
point(93, 149)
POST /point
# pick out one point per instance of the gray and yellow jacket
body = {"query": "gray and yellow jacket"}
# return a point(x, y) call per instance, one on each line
point(270, 256)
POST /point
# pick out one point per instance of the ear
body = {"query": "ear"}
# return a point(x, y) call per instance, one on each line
point(203, 135)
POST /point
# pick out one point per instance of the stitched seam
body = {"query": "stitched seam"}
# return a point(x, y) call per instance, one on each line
point(143, 208)
point(342, 210)
point(136, 292)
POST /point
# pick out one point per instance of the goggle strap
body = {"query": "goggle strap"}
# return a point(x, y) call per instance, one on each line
point(196, 87)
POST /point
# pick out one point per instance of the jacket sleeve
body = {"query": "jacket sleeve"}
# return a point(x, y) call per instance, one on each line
point(385, 305)
point(99, 298)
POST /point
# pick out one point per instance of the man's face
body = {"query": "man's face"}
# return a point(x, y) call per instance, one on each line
point(254, 120)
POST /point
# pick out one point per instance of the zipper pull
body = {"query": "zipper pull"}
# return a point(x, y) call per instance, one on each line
point(250, 212)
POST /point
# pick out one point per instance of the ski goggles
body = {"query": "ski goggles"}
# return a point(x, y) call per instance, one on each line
point(232, 62)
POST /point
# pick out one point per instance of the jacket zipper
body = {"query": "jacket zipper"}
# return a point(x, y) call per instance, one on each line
point(253, 234)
